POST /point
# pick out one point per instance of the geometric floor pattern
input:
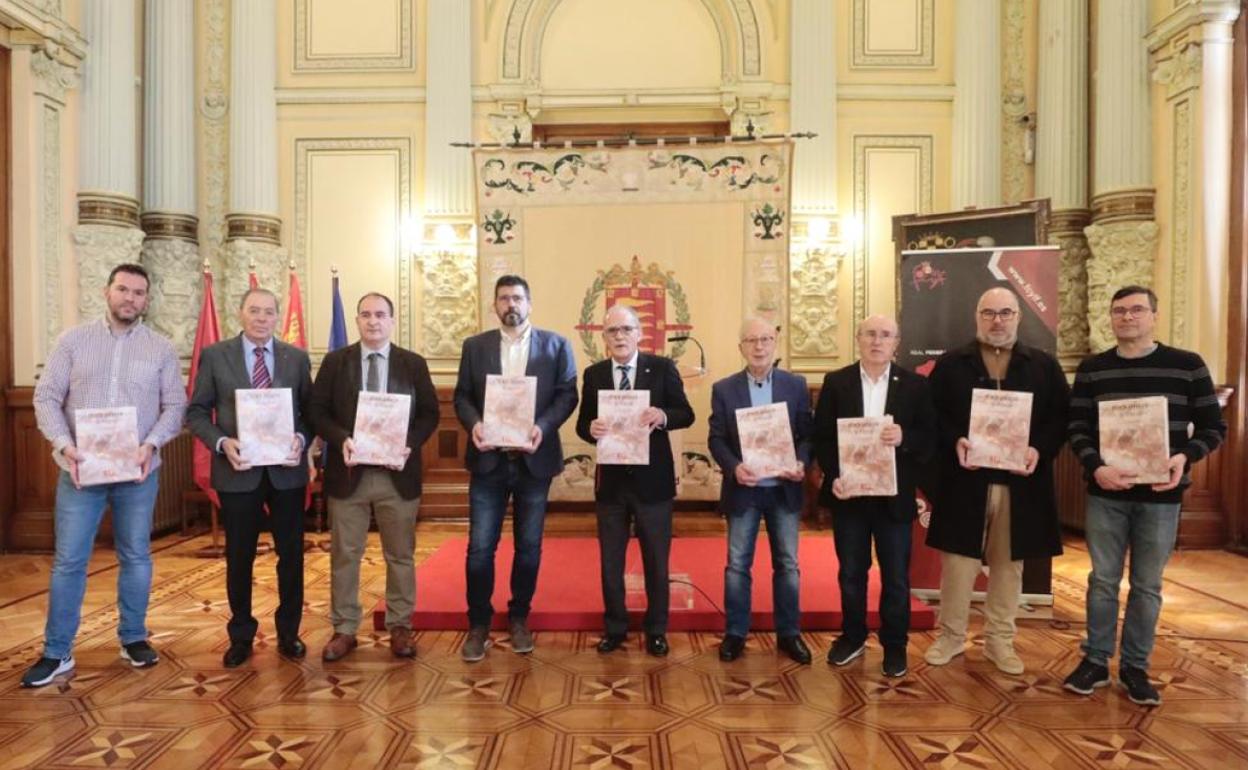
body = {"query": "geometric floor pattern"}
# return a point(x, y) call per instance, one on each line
point(565, 706)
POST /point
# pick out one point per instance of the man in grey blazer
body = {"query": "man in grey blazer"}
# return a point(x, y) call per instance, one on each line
point(255, 359)
point(522, 474)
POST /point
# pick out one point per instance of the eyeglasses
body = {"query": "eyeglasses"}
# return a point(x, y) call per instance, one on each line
point(873, 334)
point(752, 341)
point(988, 314)
point(613, 331)
point(1135, 311)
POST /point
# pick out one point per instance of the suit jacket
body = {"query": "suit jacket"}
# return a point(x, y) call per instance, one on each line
point(651, 483)
point(909, 401)
point(331, 411)
point(221, 372)
point(732, 393)
point(552, 363)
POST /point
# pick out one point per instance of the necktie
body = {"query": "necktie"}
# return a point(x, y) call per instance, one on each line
point(260, 371)
point(624, 383)
point(372, 382)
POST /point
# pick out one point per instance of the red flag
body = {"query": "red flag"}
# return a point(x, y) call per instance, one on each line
point(208, 332)
point(292, 328)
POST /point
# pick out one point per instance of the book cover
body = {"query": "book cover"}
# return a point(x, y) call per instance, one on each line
point(1000, 429)
point(868, 467)
point(766, 439)
point(510, 408)
point(627, 441)
point(380, 434)
point(108, 445)
point(1135, 437)
point(266, 425)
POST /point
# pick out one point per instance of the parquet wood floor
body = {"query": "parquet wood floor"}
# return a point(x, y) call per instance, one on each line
point(565, 706)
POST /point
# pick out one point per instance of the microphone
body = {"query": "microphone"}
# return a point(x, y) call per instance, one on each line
point(701, 350)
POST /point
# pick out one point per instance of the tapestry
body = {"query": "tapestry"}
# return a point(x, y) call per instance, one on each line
point(693, 237)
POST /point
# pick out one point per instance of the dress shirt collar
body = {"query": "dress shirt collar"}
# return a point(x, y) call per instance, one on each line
point(866, 378)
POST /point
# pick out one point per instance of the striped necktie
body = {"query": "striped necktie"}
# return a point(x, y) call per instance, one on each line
point(260, 371)
point(624, 383)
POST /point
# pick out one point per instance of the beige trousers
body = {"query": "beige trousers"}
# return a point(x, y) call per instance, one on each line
point(1005, 578)
point(396, 521)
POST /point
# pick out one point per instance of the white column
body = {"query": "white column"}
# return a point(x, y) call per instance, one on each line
point(812, 105)
point(253, 227)
point(977, 104)
point(1062, 160)
point(108, 209)
point(170, 250)
point(1124, 158)
point(448, 110)
point(1123, 235)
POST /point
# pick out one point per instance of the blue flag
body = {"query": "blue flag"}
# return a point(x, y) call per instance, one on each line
point(338, 326)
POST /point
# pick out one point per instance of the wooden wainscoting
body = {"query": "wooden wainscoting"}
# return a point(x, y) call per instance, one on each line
point(445, 482)
point(29, 526)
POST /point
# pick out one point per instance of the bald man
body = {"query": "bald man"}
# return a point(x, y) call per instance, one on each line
point(874, 387)
point(640, 494)
point(984, 515)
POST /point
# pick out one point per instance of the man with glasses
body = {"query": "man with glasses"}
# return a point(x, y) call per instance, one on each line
point(746, 498)
point(522, 474)
point(357, 492)
point(875, 387)
point(108, 362)
point(984, 515)
point(1125, 515)
point(641, 494)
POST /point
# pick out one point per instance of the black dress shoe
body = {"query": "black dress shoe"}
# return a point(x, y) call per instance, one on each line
point(731, 648)
point(237, 655)
point(656, 645)
point(291, 647)
point(611, 642)
point(795, 648)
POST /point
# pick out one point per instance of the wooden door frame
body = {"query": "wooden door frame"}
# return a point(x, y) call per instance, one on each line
point(8, 479)
point(1235, 482)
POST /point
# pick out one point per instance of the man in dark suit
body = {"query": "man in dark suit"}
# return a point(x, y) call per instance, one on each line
point(746, 498)
point(255, 359)
point(522, 474)
point(356, 491)
point(642, 493)
point(875, 387)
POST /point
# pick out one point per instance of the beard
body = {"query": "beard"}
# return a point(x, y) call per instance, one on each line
point(512, 318)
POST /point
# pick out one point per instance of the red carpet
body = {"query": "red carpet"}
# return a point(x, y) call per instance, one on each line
point(569, 594)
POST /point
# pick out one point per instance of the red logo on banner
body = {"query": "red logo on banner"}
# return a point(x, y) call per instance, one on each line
point(926, 275)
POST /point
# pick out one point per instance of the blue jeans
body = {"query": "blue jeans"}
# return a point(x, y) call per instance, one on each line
point(853, 529)
point(1149, 530)
point(765, 504)
point(487, 505)
point(77, 515)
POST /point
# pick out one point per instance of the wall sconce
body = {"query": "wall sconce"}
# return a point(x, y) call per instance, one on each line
point(1029, 137)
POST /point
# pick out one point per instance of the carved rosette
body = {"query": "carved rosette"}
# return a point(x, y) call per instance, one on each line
point(101, 248)
point(449, 304)
point(1066, 230)
point(1122, 254)
point(173, 309)
point(813, 303)
point(240, 255)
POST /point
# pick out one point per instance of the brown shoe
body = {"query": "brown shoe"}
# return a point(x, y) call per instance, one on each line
point(338, 647)
point(401, 642)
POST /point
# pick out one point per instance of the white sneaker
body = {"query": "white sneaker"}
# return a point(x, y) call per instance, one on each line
point(943, 650)
point(1003, 657)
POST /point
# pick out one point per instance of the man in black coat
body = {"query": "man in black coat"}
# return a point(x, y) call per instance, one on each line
point(642, 493)
point(874, 387)
point(358, 492)
point(989, 515)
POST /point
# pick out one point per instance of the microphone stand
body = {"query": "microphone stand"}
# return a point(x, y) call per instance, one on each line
point(701, 350)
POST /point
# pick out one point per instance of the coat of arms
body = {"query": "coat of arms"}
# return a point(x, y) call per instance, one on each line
point(647, 291)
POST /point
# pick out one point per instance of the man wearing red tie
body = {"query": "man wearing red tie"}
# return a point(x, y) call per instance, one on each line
point(255, 359)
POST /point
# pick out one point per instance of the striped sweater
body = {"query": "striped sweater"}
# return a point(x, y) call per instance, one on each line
point(1179, 375)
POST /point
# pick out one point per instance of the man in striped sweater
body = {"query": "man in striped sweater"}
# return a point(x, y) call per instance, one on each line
point(1123, 514)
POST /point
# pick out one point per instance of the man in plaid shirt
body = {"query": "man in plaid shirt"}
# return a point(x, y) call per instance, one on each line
point(114, 361)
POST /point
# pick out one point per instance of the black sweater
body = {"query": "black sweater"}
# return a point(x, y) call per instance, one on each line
point(1179, 375)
